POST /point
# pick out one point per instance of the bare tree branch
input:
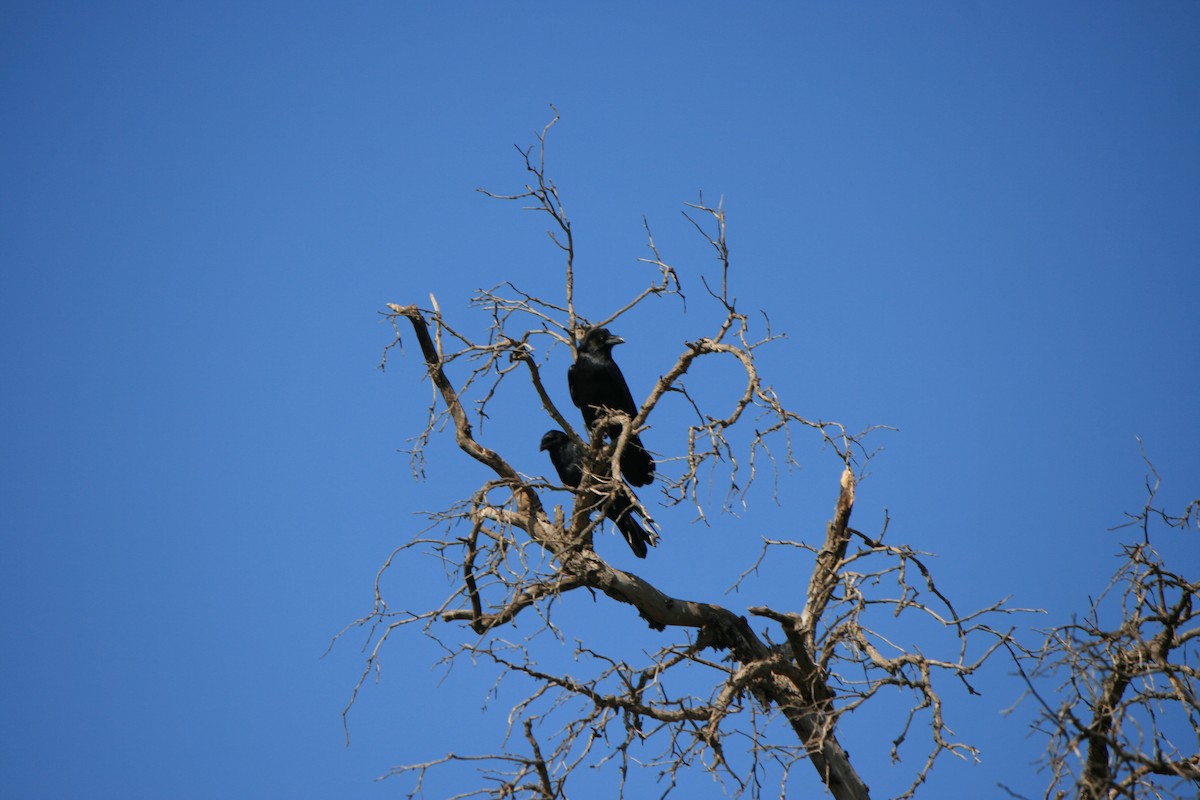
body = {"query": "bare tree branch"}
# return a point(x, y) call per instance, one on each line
point(1125, 676)
point(723, 683)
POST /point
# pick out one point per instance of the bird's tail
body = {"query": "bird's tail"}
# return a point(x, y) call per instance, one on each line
point(638, 538)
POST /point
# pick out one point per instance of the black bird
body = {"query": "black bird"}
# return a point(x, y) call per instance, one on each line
point(567, 458)
point(596, 383)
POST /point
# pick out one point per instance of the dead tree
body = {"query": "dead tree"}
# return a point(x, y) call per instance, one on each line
point(717, 695)
point(1117, 689)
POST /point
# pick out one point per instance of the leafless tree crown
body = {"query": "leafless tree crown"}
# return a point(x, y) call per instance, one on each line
point(1117, 688)
point(716, 695)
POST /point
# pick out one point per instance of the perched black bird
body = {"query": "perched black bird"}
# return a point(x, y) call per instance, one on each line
point(596, 383)
point(567, 458)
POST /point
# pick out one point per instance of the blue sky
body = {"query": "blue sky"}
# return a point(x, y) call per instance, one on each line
point(977, 223)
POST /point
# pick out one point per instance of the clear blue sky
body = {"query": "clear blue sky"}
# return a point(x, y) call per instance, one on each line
point(977, 222)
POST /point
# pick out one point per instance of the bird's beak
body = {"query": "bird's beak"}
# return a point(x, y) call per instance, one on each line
point(615, 340)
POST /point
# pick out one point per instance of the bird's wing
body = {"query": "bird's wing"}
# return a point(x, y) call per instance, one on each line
point(620, 389)
point(572, 458)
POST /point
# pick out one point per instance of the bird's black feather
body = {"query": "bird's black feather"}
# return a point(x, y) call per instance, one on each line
point(568, 460)
point(596, 384)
